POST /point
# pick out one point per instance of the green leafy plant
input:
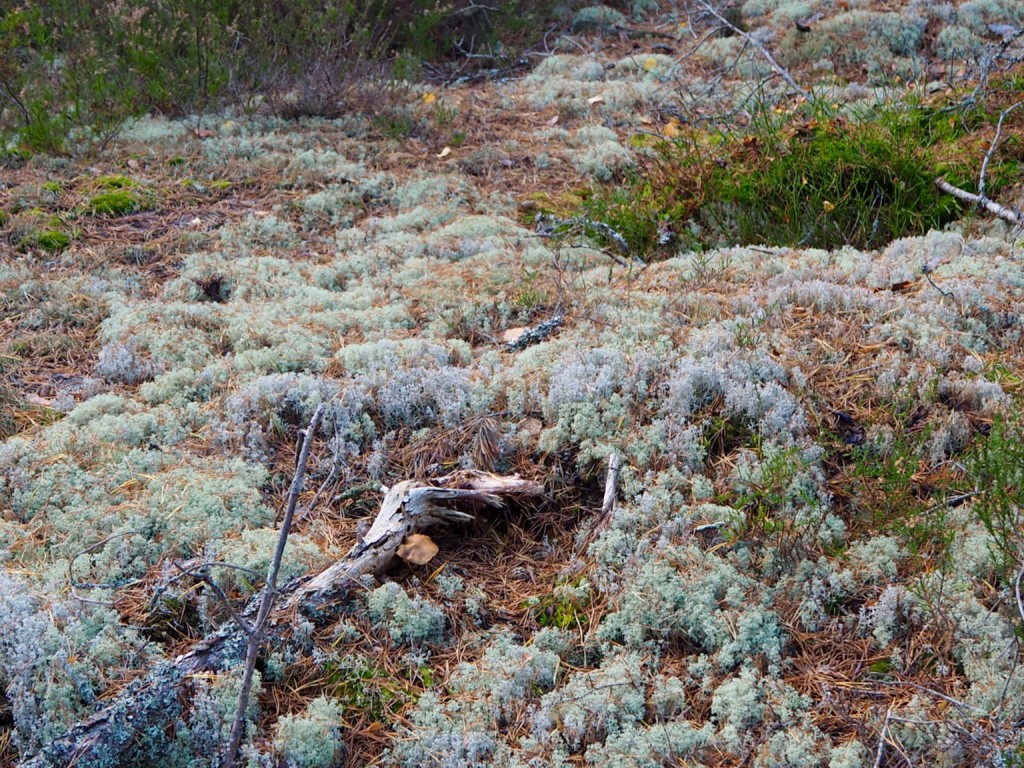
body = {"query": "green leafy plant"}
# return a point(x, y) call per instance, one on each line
point(767, 496)
point(563, 609)
point(364, 688)
point(995, 466)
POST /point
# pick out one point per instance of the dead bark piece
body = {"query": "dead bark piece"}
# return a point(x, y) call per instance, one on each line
point(531, 426)
point(806, 24)
point(533, 335)
point(110, 737)
point(611, 483)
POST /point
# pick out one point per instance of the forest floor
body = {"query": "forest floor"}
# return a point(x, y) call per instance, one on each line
point(814, 557)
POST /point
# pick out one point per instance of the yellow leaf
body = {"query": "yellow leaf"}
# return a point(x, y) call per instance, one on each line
point(651, 64)
point(829, 207)
point(671, 129)
point(429, 98)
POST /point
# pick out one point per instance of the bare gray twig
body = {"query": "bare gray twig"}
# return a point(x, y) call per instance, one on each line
point(107, 585)
point(1016, 590)
point(882, 738)
point(269, 593)
point(200, 573)
point(749, 39)
point(992, 148)
point(1006, 214)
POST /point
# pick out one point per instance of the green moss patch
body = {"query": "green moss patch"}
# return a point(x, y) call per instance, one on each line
point(53, 240)
point(114, 203)
point(116, 181)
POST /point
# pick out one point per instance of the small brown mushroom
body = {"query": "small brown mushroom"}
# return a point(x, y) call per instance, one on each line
point(418, 549)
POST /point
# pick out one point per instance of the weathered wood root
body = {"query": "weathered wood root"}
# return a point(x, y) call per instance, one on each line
point(151, 705)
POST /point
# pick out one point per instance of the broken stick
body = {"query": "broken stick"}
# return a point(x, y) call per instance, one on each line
point(611, 482)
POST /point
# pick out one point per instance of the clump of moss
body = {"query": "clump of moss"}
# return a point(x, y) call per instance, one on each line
point(51, 240)
point(117, 181)
point(311, 739)
point(597, 17)
point(406, 620)
point(116, 202)
point(253, 551)
point(50, 191)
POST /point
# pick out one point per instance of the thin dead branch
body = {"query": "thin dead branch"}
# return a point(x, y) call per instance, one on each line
point(882, 738)
point(550, 226)
point(1007, 214)
point(750, 40)
point(982, 200)
point(993, 146)
point(256, 634)
point(107, 585)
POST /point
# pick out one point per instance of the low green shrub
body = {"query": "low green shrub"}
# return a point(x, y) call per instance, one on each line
point(802, 179)
point(996, 466)
point(70, 77)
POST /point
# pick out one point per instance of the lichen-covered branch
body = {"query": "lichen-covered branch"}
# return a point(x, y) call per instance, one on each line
point(150, 705)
